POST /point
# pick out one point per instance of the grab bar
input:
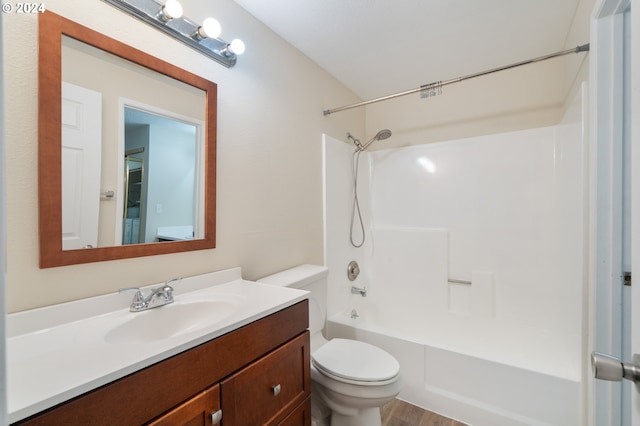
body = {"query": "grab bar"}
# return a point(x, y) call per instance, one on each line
point(452, 280)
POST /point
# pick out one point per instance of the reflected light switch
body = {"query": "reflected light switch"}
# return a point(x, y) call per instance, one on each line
point(158, 208)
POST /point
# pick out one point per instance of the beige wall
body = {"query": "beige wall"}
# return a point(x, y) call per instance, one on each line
point(270, 125)
point(269, 142)
point(531, 96)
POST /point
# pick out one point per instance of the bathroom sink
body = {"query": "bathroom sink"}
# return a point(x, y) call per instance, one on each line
point(179, 317)
point(51, 351)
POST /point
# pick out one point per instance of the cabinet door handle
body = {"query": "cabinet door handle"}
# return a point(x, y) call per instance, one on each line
point(216, 416)
point(276, 390)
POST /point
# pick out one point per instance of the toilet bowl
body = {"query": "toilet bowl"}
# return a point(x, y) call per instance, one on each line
point(351, 380)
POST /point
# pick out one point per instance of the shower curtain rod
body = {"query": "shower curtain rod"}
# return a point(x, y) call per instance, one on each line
point(439, 84)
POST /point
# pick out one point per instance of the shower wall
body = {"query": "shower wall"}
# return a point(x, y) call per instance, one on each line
point(505, 212)
point(511, 206)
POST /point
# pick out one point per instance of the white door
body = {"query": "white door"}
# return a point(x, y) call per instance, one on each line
point(81, 159)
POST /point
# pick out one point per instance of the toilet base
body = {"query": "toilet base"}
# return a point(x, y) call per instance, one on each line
point(322, 416)
point(350, 405)
point(366, 417)
point(320, 413)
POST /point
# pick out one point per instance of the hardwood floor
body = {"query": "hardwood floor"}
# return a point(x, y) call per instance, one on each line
point(400, 413)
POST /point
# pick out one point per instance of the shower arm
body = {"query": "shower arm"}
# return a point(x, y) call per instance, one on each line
point(578, 49)
point(363, 147)
point(356, 141)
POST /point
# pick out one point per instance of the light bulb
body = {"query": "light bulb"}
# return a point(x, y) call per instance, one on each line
point(210, 28)
point(172, 9)
point(236, 46)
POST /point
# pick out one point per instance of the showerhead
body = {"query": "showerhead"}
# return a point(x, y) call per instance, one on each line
point(380, 136)
point(383, 134)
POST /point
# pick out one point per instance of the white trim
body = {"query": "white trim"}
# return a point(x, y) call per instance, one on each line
point(605, 8)
point(634, 116)
point(3, 256)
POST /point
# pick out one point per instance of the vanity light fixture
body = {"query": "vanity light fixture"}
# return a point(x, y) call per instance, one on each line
point(236, 47)
point(167, 17)
point(210, 28)
point(172, 9)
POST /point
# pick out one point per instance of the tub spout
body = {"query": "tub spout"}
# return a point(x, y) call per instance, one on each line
point(354, 314)
point(362, 291)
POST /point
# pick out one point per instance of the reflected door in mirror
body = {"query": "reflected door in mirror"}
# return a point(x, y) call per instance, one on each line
point(81, 154)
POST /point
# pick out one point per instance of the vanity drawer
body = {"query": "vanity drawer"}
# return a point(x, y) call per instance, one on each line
point(265, 392)
point(197, 411)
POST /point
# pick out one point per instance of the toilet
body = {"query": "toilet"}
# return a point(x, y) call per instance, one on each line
point(351, 380)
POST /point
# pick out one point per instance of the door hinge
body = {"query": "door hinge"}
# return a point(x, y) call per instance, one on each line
point(626, 278)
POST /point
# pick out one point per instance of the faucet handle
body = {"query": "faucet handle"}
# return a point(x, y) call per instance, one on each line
point(138, 297)
point(172, 280)
point(168, 290)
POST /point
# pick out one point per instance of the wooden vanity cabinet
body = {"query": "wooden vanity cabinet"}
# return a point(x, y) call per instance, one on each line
point(270, 388)
point(197, 411)
point(238, 372)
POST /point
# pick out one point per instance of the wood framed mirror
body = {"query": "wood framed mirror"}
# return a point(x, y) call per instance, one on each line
point(56, 34)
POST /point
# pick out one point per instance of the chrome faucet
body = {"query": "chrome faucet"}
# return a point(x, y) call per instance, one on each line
point(159, 296)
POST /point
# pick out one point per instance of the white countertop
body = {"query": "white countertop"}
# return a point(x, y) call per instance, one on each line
point(59, 352)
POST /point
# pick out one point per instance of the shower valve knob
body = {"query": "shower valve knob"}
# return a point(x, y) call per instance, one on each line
point(353, 270)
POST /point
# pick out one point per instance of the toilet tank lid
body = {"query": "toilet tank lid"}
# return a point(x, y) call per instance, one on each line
point(296, 277)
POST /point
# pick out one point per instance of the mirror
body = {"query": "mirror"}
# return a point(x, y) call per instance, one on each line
point(174, 169)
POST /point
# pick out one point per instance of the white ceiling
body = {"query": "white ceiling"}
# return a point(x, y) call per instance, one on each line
point(380, 47)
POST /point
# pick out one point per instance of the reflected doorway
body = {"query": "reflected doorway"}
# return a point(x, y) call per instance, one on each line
point(163, 190)
point(134, 206)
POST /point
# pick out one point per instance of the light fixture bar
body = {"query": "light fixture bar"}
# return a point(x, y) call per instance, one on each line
point(181, 29)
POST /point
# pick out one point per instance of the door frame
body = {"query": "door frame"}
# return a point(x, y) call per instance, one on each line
point(3, 256)
point(634, 116)
point(606, 129)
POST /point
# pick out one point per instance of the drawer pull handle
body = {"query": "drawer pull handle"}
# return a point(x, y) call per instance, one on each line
point(276, 390)
point(216, 416)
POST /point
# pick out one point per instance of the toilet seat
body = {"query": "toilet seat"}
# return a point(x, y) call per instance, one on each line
point(355, 362)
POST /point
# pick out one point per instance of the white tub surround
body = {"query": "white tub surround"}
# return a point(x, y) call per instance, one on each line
point(474, 267)
point(62, 351)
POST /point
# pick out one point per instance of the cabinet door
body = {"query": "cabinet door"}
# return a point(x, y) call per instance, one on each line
point(196, 411)
point(301, 416)
point(265, 392)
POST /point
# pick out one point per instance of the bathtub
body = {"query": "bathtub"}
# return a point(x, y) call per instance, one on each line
point(479, 372)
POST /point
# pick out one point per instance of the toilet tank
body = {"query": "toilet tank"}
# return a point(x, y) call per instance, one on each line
point(312, 278)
